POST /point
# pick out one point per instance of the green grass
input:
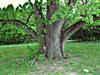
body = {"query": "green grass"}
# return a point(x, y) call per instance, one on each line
point(13, 60)
point(88, 54)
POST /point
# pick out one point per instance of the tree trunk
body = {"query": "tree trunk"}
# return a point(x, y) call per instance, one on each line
point(55, 38)
point(53, 41)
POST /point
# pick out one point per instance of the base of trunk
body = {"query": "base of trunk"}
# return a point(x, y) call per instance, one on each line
point(54, 48)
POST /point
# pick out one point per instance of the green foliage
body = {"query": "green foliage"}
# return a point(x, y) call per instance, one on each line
point(96, 23)
point(33, 53)
point(73, 13)
point(13, 33)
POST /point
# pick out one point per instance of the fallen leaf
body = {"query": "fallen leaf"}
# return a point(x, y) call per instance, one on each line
point(52, 67)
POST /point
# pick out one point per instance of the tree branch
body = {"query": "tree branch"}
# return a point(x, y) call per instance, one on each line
point(72, 2)
point(27, 29)
point(71, 30)
point(40, 11)
point(29, 17)
point(75, 27)
point(96, 17)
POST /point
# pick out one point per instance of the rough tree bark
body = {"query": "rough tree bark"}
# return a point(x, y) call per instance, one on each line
point(53, 40)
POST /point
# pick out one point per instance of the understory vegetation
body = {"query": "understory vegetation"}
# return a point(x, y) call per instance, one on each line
point(83, 59)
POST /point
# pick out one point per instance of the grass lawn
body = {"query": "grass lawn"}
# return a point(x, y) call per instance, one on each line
point(82, 59)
